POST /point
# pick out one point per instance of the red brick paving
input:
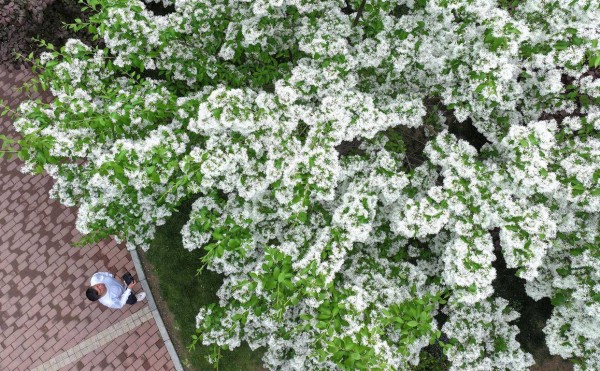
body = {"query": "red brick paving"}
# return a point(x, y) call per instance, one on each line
point(43, 309)
point(141, 353)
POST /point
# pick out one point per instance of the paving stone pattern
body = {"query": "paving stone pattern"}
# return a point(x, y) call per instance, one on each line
point(43, 308)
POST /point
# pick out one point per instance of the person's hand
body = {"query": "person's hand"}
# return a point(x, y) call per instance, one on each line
point(130, 286)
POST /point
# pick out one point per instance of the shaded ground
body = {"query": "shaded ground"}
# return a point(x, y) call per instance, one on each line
point(19, 38)
point(534, 314)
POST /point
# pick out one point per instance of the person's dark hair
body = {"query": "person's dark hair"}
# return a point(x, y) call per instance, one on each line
point(92, 294)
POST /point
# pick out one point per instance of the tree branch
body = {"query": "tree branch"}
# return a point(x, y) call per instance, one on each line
point(348, 8)
point(359, 13)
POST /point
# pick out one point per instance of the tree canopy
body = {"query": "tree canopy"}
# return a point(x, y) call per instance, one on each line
point(332, 188)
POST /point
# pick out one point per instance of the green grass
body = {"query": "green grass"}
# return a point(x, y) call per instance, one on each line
point(185, 292)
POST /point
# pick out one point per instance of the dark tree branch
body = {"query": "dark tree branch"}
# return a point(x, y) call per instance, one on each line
point(359, 13)
point(348, 8)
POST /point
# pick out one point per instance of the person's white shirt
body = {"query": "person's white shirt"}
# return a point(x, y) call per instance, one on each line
point(117, 292)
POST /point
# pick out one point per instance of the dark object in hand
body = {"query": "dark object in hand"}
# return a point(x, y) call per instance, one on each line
point(128, 278)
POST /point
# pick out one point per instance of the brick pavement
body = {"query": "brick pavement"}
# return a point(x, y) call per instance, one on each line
point(43, 308)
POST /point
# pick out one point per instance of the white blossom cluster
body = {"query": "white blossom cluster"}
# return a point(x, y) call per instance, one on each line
point(485, 339)
point(294, 124)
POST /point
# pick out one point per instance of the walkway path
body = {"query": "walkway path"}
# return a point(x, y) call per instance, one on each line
point(46, 322)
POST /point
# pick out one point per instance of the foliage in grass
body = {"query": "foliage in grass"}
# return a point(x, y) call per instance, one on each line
point(184, 296)
point(429, 362)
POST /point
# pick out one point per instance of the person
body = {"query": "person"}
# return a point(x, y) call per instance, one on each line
point(112, 290)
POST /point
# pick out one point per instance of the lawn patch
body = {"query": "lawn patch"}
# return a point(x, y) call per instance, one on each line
point(184, 292)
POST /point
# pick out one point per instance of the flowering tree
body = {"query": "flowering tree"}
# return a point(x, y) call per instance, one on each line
point(289, 122)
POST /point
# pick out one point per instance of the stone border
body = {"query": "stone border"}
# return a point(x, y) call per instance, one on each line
point(154, 310)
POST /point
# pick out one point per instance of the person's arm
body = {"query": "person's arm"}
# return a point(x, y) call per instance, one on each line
point(123, 299)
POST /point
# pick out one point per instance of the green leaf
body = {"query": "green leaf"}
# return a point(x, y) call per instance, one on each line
point(513, 228)
point(296, 199)
point(563, 272)
point(321, 325)
point(595, 60)
point(561, 45)
point(217, 112)
point(500, 345)
point(559, 299)
point(302, 216)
